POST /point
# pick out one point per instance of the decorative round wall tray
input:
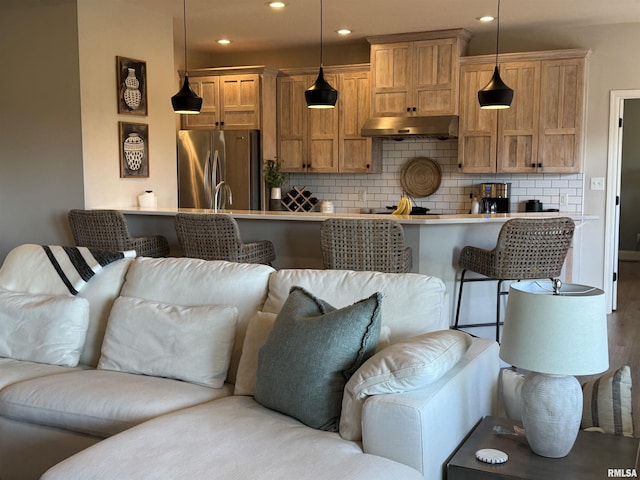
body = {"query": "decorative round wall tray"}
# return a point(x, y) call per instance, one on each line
point(420, 177)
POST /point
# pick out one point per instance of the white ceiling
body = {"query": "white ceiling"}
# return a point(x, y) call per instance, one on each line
point(253, 26)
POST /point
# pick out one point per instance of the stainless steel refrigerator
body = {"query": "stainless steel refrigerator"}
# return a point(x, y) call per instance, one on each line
point(219, 168)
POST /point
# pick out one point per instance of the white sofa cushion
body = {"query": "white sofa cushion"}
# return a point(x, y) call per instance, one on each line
point(100, 402)
point(248, 442)
point(412, 303)
point(311, 351)
point(43, 328)
point(13, 371)
point(26, 268)
point(401, 367)
point(191, 282)
point(186, 343)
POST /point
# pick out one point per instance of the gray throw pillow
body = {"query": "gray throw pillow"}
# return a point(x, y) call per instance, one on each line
point(310, 354)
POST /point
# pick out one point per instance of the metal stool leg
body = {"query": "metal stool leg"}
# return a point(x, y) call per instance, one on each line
point(455, 325)
point(498, 310)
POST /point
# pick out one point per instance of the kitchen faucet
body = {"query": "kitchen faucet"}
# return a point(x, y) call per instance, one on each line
point(222, 188)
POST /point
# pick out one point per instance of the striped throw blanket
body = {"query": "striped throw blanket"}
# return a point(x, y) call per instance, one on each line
point(77, 265)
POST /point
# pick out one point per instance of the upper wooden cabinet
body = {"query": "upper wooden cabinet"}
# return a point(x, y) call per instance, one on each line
point(236, 98)
point(325, 140)
point(542, 131)
point(562, 114)
point(416, 73)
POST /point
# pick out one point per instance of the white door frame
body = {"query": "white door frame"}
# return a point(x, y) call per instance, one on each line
point(612, 212)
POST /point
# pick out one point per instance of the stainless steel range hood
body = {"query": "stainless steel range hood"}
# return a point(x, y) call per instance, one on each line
point(433, 127)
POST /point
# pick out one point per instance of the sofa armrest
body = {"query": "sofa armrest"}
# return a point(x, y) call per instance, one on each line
point(422, 428)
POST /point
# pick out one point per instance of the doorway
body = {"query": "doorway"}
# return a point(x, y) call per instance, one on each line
point(622, 236)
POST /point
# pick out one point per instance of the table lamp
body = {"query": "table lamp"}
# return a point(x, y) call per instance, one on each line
point(554, 331)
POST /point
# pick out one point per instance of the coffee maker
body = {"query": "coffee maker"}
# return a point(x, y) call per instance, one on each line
point(495, 197)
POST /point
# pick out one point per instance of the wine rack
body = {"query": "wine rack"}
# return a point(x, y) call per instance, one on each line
point(299, 200)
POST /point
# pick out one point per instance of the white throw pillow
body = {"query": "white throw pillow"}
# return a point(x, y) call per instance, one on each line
point(608, 403)
point(43, 328)
point(401, 367)
point(257, 333)
point(186, 343)
point(511, 386)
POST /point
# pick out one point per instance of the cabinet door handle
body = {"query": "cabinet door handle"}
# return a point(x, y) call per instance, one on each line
point(368, 166)
point(459, 165)
point(533, 165)
point(415, 109)
point(408, 109)
point(540, 165)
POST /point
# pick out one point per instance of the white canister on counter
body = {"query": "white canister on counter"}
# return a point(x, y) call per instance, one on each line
point(326, 206)
point(148, 199)
point(475, 205)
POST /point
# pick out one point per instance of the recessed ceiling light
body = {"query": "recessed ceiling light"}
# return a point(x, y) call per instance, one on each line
point(486, 18)
point(276, 4)
point(224, 41)
point(343, 31)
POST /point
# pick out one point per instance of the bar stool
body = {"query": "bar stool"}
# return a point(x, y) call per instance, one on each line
point(363, 244)
point(108, 230)
point(216, 236)
point(526, 249)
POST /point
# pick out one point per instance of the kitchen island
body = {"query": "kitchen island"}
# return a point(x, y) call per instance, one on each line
point(436, 241)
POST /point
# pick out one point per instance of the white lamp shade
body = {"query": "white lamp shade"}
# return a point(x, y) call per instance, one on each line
point(557, 334)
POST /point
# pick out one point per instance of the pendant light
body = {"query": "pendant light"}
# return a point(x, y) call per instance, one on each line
point(186, 101)
point(321, 94)
point(496, 94)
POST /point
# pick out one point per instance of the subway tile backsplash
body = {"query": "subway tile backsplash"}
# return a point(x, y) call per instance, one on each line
point(351, 192)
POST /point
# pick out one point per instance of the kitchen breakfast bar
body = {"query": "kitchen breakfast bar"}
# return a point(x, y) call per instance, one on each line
point(435, 240)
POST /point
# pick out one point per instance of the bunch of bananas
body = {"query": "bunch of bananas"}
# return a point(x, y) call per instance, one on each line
point(404, 206)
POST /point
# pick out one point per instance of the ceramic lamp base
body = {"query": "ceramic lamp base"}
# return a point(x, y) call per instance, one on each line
point(551, 413)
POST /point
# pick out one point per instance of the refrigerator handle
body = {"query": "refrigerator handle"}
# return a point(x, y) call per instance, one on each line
point(208, 181)
point(216, 178)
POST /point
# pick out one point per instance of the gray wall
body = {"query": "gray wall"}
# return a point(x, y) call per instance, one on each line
point(40, 125)
point(630, 183)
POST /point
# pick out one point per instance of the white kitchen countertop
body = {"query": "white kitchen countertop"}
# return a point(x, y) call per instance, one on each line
point(319, 217)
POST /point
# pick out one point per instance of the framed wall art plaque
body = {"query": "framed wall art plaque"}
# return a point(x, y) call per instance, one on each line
point(134, 150)
point(131, 86)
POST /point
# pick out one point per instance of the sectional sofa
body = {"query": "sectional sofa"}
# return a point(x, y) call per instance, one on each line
point(184, 368)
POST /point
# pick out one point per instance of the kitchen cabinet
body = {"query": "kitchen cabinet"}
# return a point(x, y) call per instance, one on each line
point(562, 114)
point(292, 122)
point(325, 140)
point(542, 131)
point(416, 73)
point(236, 98)
point(356, 154)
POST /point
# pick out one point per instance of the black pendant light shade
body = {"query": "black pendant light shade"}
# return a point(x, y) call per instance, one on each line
point(496, 94)
point(186, 101)
point(321, 94)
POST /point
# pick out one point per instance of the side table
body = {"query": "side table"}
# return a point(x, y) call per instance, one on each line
point(595, 456)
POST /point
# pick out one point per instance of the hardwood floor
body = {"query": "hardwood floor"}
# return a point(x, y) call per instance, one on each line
point(624, 331)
